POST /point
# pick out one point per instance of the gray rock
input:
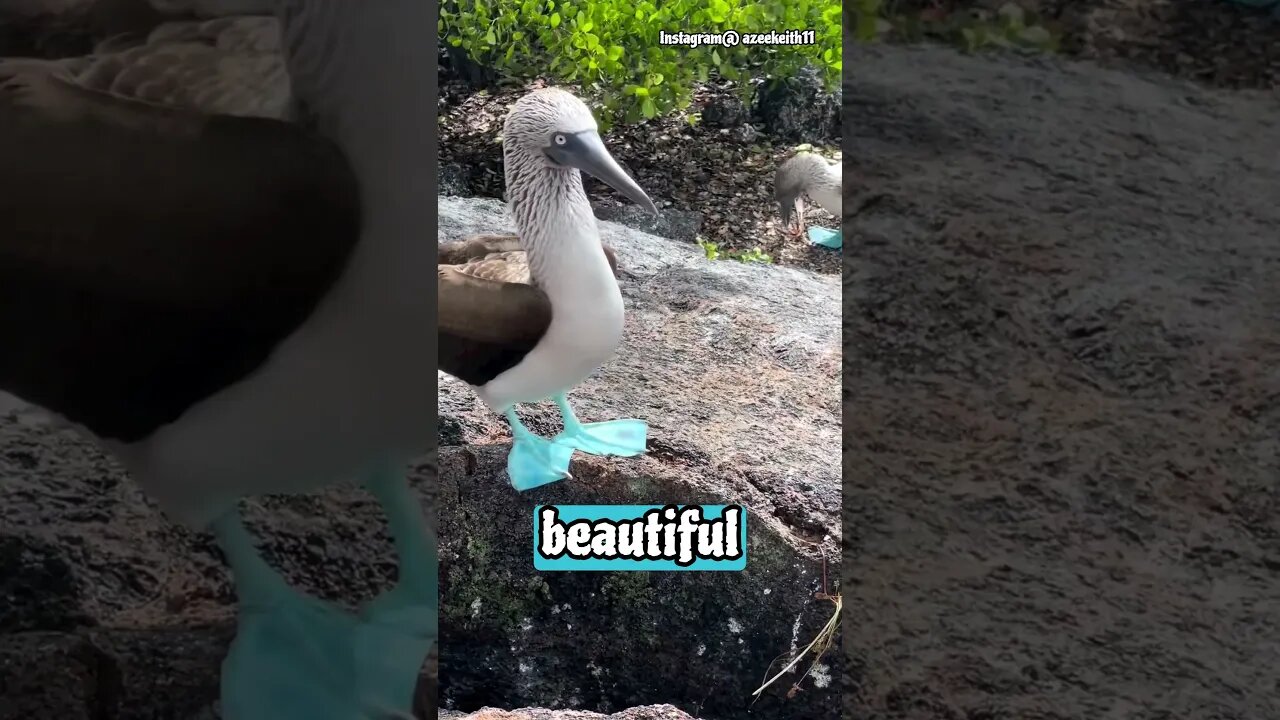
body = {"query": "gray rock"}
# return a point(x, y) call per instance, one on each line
point(648, 712)
point(746, 133)
point(1063, 445)
point(671, 222)
point(725, 110)
point(453, 180)
point(729, 422)
point(160, 672)
point(93, 556)
point(48, 675)
point(39, 586)
point(799, 108)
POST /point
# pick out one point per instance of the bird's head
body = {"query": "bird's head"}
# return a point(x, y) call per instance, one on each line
point(792, 181)
point(553, 129)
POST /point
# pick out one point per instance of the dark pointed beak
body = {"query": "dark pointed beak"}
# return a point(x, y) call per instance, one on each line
point(790, 206)
point(588, 153)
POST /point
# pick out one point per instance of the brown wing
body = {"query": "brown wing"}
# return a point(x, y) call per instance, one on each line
point(485, 326)
point(231, 66)
point(476, 247)
point(484, 246)
point(151, 256)
point(490, 315)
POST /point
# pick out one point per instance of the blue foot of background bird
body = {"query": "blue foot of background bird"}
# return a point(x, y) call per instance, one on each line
point(623, 438)
point(295, 657)
point(535, 461)
point(826, 237)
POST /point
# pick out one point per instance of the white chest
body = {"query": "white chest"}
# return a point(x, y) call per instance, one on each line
point(587, 319)
point(829, 199)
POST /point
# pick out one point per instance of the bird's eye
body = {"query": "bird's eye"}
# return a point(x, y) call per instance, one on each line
point(561, 140)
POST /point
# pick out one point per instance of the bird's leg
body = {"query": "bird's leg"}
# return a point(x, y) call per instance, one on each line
point(625, 438)
point(291, 657)
point(415, 547)
point(535, 461)
point(257, 583)
point(798, 231)
point(299, 658)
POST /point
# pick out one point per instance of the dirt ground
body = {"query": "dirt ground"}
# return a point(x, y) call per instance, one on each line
point(1062, 392)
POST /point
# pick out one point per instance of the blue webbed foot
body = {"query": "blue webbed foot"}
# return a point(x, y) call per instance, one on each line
point(623, 438)
point(299, 658)
point(826, 237)
point(535, 461)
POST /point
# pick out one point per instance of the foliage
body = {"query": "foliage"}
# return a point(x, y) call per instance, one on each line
point(1010, 27)
point(754, 255)
point(869, 20)
point(611, 47)
point(819, 646)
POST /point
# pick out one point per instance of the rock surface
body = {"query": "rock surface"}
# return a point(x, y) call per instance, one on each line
point(671, 222)
point(735, 368)
point(109, 612)
point(1062, 335)
point(799, 108)
point(649, 712)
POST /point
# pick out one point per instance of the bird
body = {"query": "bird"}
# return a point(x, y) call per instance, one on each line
point(233, 304)
point(806, 173)
point(529, 316)
point(491, 315)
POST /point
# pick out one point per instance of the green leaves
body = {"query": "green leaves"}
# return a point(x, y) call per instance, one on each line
point(1011, 26)
point(718, 11)
point(713, 252)
point(611, 47)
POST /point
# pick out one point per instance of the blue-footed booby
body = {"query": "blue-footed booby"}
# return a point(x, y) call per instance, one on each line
point(235, 306)
point(807, 173)
point(527, 317)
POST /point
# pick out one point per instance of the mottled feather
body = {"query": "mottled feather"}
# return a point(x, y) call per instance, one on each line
point(491, 314)
point(810, 174)
point(156, 251)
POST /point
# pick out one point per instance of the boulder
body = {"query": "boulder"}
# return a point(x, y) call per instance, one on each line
point(1063, 329)
point(648, 712)
point(799, 108)
point(108, 611)
point(671, 223)
point(736, 369)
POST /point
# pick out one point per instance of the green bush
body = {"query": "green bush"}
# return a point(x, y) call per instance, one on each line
point(611, 46)
point(869, 21)
point(1009, 27)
